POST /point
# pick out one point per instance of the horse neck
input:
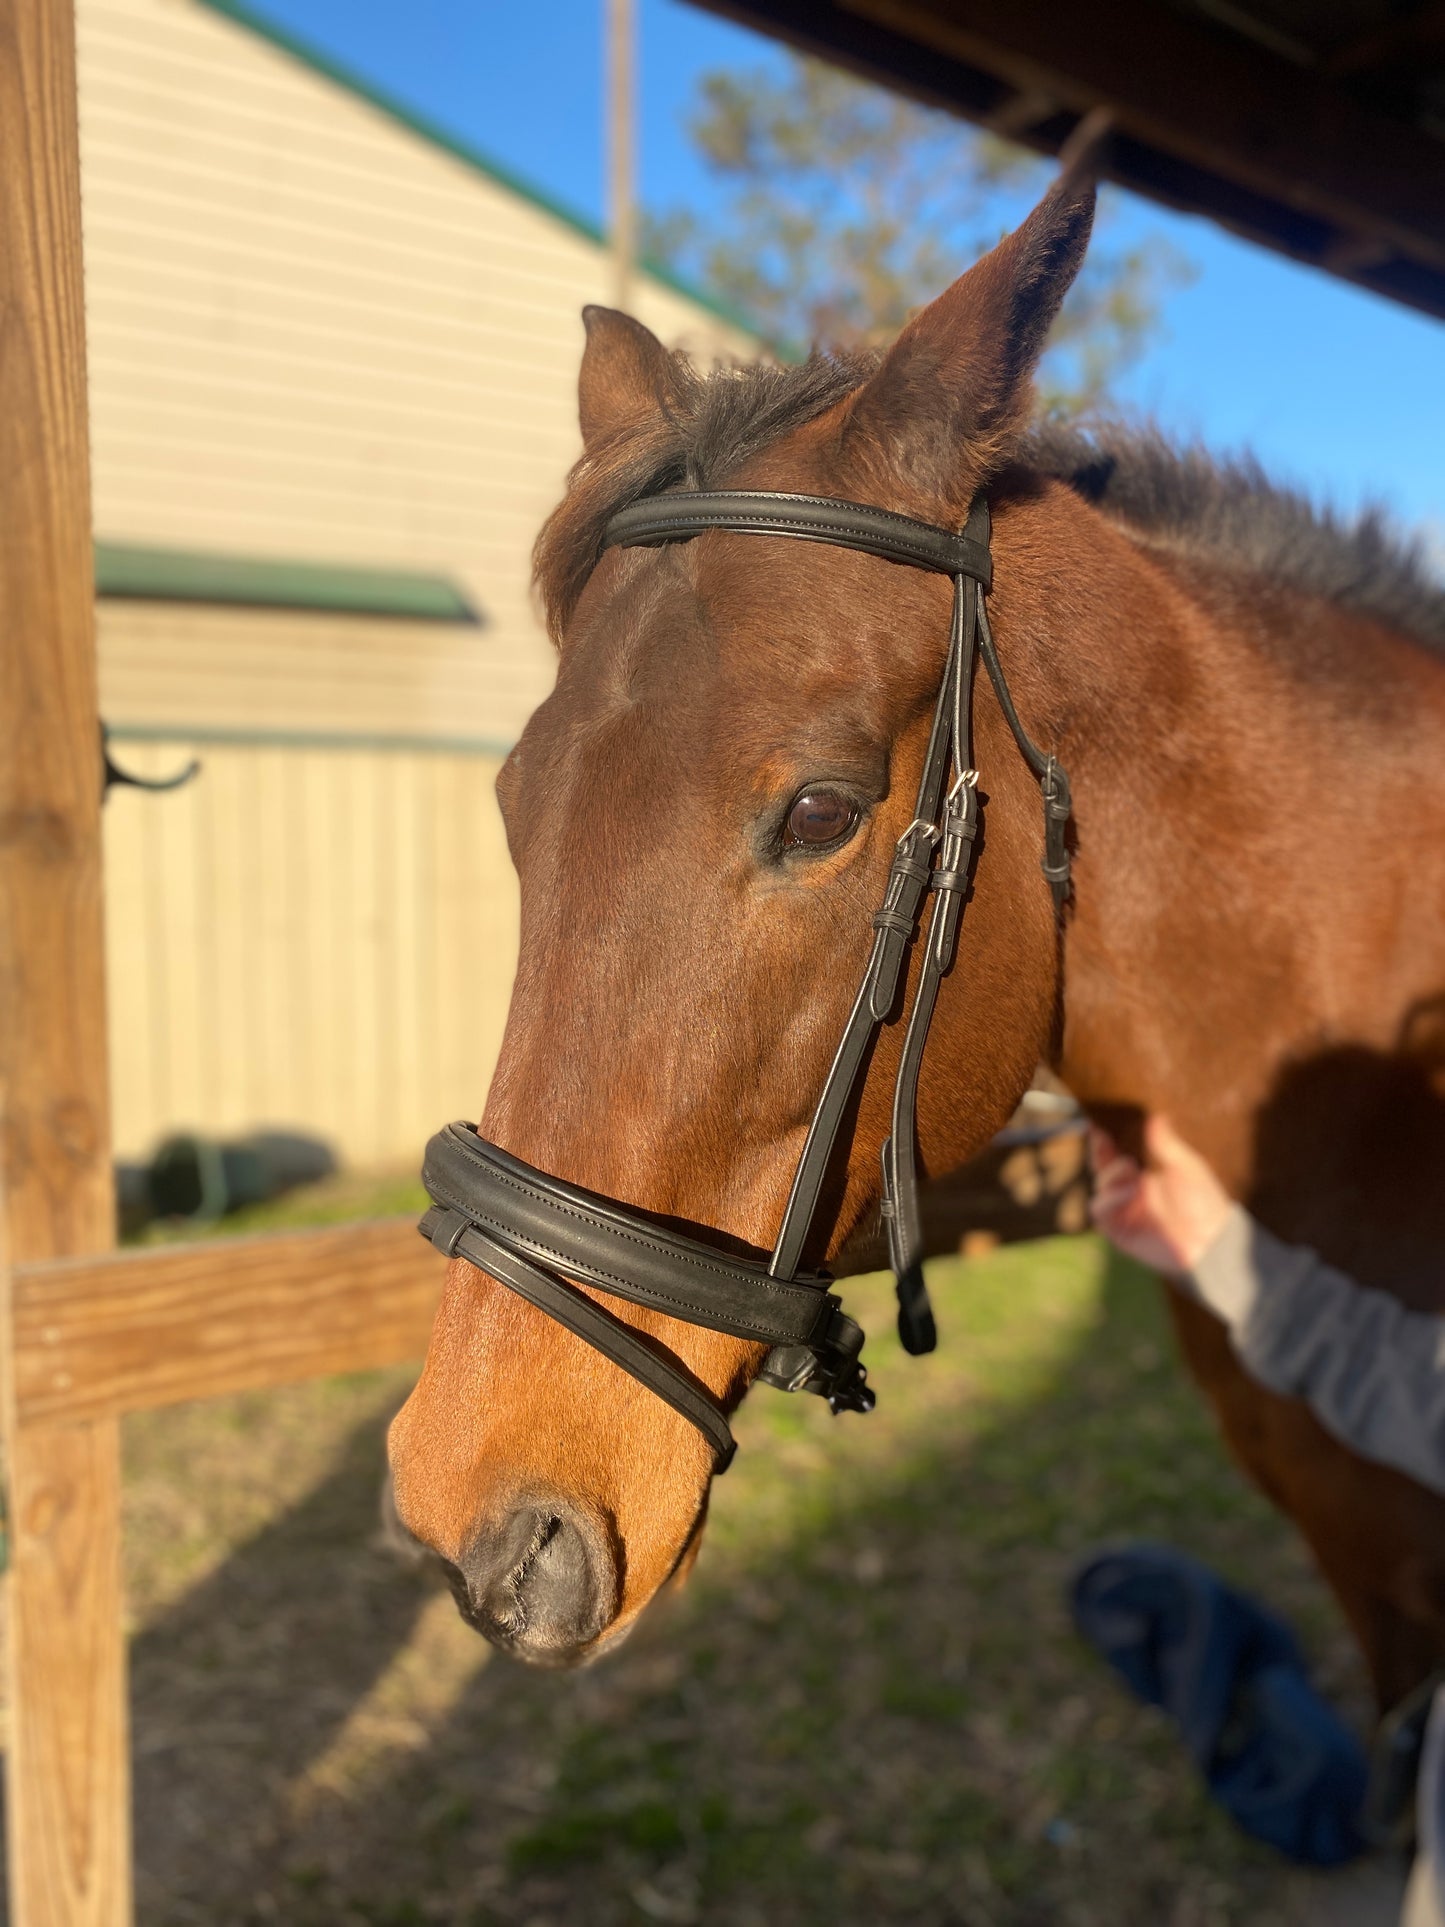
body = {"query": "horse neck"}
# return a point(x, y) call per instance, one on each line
point(1258, 931)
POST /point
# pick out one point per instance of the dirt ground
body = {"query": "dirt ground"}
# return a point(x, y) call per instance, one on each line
point(866, 1706)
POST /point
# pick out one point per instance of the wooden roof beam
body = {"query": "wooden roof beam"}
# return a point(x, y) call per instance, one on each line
point(1206, 123)
point(1020, 112)
point(1194, 92)
point(1403, 37)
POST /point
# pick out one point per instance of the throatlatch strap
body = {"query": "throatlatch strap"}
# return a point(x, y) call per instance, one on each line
point(1054, 784)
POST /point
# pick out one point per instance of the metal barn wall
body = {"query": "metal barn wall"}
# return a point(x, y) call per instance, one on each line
point(174, 666)
point(318, 937)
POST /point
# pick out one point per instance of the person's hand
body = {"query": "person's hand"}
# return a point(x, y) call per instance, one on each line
point(1165, 1214)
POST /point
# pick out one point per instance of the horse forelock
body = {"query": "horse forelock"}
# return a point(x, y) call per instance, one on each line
point(710, 424)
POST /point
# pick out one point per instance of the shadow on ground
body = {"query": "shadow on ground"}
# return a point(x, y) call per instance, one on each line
point(867, 1706)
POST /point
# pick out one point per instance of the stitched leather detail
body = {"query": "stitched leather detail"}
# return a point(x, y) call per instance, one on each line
point(689, 1309)
point(816, 518)
point(588, 1209)
point(893, 920)
point(578, 1234)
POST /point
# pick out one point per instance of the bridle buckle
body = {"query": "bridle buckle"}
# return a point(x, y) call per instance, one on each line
point(920, 826)
point(830, 1367)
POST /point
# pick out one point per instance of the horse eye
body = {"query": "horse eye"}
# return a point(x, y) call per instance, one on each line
point(820, 816)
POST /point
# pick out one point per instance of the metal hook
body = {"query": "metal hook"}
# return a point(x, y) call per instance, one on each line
point(113, 777)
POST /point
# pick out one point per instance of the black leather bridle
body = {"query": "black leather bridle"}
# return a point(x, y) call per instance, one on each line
point(535, 1233)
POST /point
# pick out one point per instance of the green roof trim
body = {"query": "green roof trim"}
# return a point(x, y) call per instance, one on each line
point(183, 575)
point(225, 736)
point(437, 135)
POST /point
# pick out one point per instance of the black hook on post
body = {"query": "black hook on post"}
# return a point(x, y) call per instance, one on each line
point(113, 777)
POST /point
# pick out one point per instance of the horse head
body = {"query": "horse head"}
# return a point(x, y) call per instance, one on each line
point(702, 816)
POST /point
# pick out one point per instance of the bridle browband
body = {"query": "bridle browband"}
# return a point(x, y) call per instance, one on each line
point(535, 1233)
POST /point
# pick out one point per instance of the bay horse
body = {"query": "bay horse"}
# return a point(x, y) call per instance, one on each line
point(1250, 700)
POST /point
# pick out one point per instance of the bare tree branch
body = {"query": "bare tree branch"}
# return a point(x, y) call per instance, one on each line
point(847, 207)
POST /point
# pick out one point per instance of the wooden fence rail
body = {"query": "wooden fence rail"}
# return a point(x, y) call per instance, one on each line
point(97, 1337)
point(92, 1339)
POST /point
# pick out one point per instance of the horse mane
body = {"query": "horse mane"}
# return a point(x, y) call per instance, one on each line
point(1225, 511)
point(1228, 512)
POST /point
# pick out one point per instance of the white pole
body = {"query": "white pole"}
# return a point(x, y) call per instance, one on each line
point(621, 155)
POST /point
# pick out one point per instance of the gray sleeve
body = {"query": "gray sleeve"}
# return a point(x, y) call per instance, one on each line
point(1425, 1898)
point(1372, 1372)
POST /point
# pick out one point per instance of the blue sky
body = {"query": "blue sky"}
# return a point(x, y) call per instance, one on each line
point(1331, 387)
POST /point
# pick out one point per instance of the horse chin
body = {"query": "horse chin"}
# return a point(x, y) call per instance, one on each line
point(542, 1656)
point(546, 1659)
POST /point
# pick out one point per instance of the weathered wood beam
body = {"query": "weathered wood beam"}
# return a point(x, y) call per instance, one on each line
point(1404, 36)
point(168, 1323)
point(1199, 94)
point(1354, 254)
point(67, 1779)
point(1020, 112)
point(1285, 157)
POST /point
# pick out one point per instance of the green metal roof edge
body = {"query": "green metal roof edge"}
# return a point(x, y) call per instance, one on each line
point(128, 570)
point(432, 131)
point(238, 736)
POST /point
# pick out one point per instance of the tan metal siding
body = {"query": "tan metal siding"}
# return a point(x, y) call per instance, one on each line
point(177, 666)
point(322, 938)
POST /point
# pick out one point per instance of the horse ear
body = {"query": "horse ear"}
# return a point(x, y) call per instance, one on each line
point(955, 388)
point(623, 376)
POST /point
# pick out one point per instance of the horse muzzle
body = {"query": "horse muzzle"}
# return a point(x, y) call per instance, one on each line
point(542, 1584)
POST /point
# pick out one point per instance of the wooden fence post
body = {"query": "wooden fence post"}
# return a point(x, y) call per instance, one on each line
point(67, 1783)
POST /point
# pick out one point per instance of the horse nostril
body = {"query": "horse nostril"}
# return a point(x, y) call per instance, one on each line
point(542, 1584)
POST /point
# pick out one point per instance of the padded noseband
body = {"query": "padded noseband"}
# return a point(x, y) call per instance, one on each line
point(536, 1234)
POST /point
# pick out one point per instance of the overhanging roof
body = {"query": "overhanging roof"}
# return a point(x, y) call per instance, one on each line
point(1314, 127)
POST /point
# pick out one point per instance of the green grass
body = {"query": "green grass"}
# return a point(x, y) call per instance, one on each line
point(867, 1705)
point(337, 1200)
